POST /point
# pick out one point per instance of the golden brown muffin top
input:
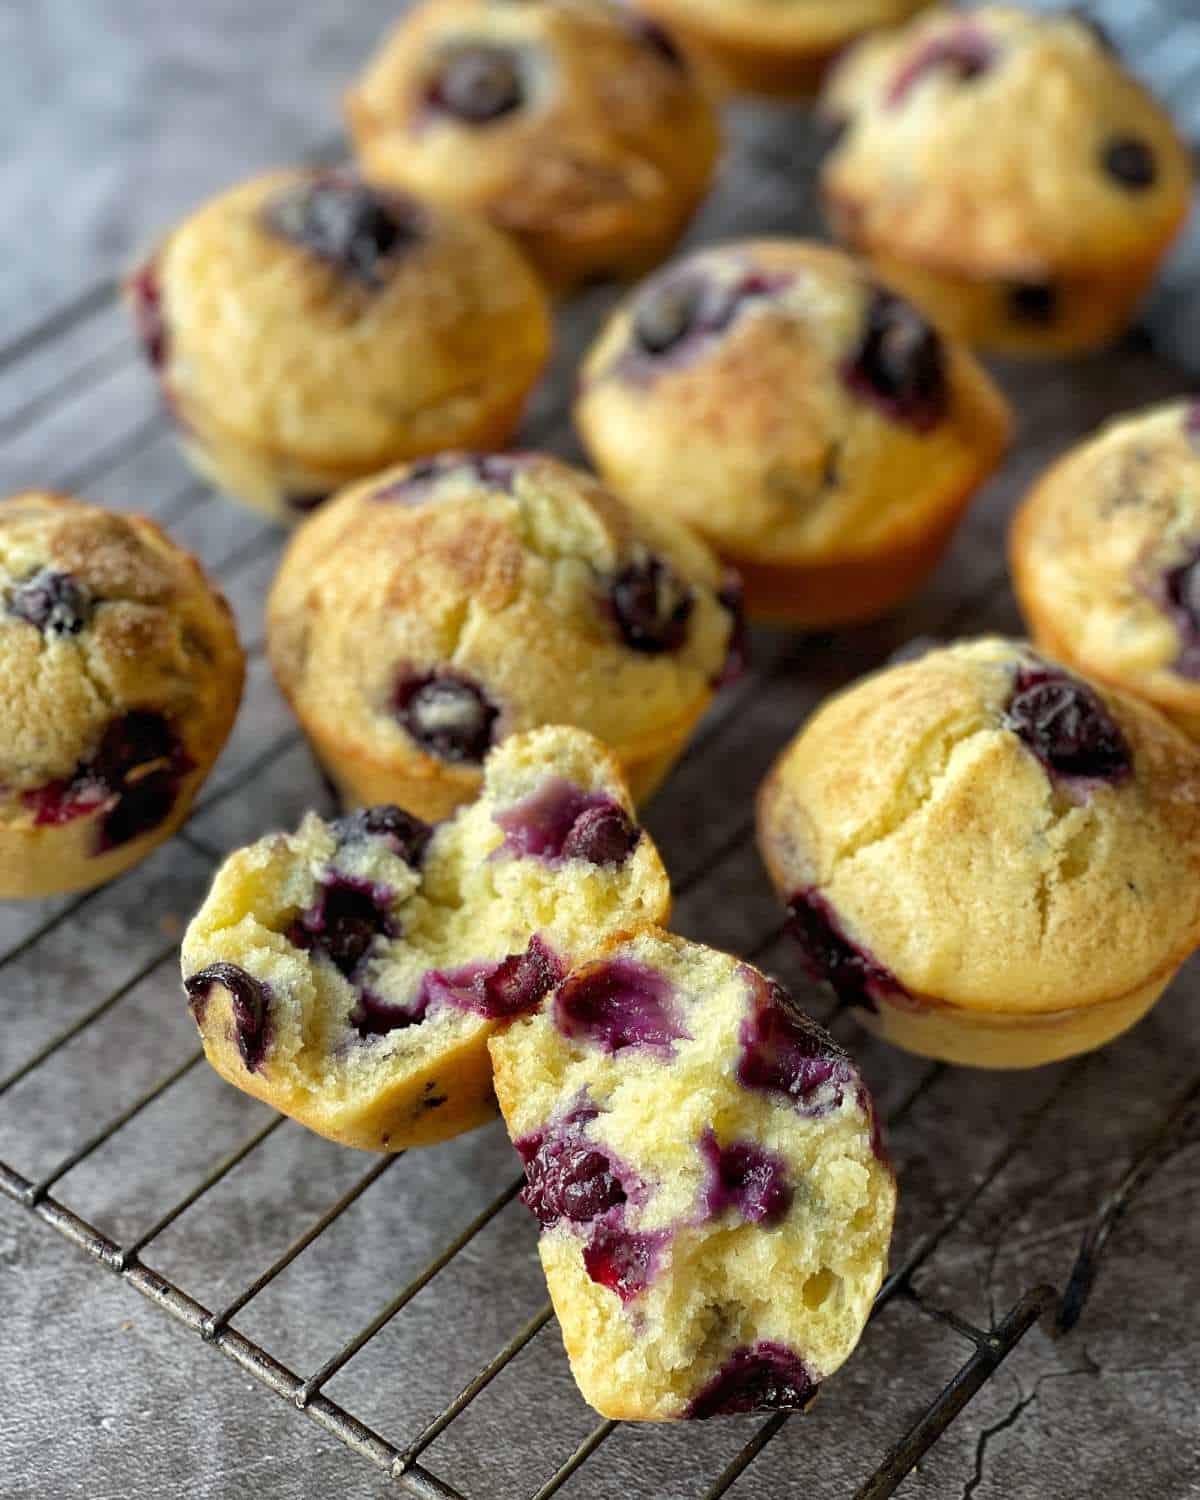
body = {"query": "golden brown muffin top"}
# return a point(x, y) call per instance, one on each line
point(1002, 143)
point(439, 607)
point(112, 643)
point(801, 24)
point(307, 314)
point(991, 831)
point(786, 404)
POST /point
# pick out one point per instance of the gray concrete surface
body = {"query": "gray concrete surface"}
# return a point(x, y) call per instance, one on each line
point(120, 113)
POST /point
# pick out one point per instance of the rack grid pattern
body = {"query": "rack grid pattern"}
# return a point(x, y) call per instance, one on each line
point(82, 355)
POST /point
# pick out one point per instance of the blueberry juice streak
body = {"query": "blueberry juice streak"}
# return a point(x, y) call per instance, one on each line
point(250, 1001)
point(497, 991)
point(562, 821)
point(619, 1003)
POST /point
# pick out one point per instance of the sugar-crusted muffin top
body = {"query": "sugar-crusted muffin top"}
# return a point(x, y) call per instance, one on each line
point(1001, 142)
point(306, 312)
point(697, 1147)
point(793, 405)
point(814, 24)
point(558, 115)
point(348, 937)
point(1107, 551)
point(984, 828)
point(439, 607)
point(116, 654)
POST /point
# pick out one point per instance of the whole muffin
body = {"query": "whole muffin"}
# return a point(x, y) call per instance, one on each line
point(805, 419)
point(1006, 171)
point(1105, 558)
point(351, 973)
point(430, 612)
point(991, 860)
point(765, 47)
point(710, 1179)
point(121, 674)
point(308, 330)
point(572, 124)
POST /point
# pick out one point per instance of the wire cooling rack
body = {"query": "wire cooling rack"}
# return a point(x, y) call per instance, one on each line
point(112, 1133)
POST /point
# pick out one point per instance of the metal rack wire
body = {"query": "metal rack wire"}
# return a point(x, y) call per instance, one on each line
point(403, 1457)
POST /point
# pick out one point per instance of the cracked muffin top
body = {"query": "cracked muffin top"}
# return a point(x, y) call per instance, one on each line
point(438, 608)
point(776, 397)
point(305, 314)
point(983, 828)
point(1106, 557)
point(1081, 166)
point(574, 125)
point(119, 663)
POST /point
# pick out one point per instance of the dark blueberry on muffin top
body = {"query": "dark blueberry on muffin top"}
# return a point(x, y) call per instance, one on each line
point(1065, 724)
point(478, 82)
point(447, 714)
point(651, 605)
point(404, 835)
point(899, 363)
point(53, 602)
point(967, 51)
point(344, 222)
point(1130, 162)
point(1034, 302)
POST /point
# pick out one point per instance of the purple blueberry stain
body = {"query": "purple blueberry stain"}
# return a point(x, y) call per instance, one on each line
point(757, 1377)
point(651, 606)
point(567, 1176)
point(1179, 594)
point(830, 957)
point(447, 714)
point(497, 991)
point(478, 83)
point(747, 1178)
point(784, 1053)
point(250, 1000)
point(1130, 162)
point(373, 1017)
point(619, 1003)
point(899, 364)
point(624, 1260)
point(1064, 723)
point(145, 299)
point(344, 922)
point(346, 224)
point(401, 833)
point(562, 821)
point(54, 603)
point(498, 471)
point(967, 52)
point(134, 776)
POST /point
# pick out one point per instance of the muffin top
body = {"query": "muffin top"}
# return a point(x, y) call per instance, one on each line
point(788, 404)
point(556, 116)
point(1106, 551)
point(437, 608)
point(980, 827)
point(119, 662)
point(767, 22)
point(1001, 142)
point(305, 312)
point(374, 942)
point(697, 1146)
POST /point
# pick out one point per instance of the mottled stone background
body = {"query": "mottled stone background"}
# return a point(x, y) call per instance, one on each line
point(120, 114)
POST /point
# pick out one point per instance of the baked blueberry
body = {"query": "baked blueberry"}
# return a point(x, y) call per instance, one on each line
point(53, 602)
point(447, 714)
point(345, 222)
point(831, 958)
point(762, 1377)
point(652, 605)
point(478, 83)
point(900, 363)
point(1130, 162)
point(251, 1006)
point(1065, 724)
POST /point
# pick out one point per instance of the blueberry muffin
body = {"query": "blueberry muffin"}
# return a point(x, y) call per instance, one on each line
point(769, 47)
point(808, 421)
point(350, 974)
point(121, 675)
point(1105, 558)
point(428, 613)
point(574, 125)
point(708, 1172)
point(1006, 171)
point(990, 859)
point(308, 330)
